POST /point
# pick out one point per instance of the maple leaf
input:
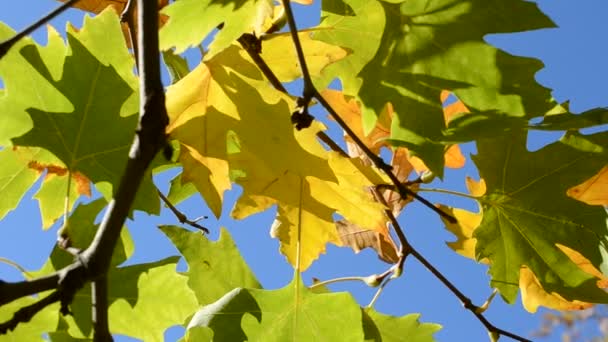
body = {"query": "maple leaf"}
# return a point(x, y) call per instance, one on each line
point(247, 124)
point(190, 21)
point(279, 53)
point(293, 313)
point(434, 46)
point(214, 268)
point(533, 294)
point(133, 290)
point(381, 327)
point(526, 214)
point(97, 66)
point(18, 76)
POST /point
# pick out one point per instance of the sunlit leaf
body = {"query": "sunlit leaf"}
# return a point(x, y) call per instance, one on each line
point(408, 52)
point(380, 327)
point(97, 66)
point(279, 53)
point(190, 21)
point(214, 268)
point(292, 313)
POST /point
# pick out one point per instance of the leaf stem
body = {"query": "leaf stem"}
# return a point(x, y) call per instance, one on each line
point(6, 45)
point(378, 292)
point(336, 280)
point(450, 192)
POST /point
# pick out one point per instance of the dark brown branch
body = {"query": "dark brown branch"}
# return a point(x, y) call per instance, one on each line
point(6, 45)
point(252, 45)
point(181, 216)
point(26, 313)
point(93, 263)
point(466, 302)
point(99, 289)
point(12, 291)
point(332, 144)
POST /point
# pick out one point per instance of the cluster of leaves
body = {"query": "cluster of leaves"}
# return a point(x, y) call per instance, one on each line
point(398, 62)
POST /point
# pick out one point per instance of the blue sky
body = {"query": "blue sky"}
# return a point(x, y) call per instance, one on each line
point(576, 70)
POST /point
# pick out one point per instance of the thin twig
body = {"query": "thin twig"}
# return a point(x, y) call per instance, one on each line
point(6, 45)
point(181, 216)
point(464, 299)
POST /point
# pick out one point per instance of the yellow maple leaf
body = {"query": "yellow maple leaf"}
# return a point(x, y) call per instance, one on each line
point(229, 120)
point(593, 191)
point(467, 222)
point(278, 51)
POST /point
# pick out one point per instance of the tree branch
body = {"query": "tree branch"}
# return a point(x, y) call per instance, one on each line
point(93, 263)
point(99, 289)
point(6, 45)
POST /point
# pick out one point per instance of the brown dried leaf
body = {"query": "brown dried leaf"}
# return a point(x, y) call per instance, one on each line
point(359, 238)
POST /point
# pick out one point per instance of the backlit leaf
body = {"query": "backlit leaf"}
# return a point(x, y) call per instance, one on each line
point(190, 21)
point(292, 313)
point(279, 53)
point(526, 213)
point(214, 268)
point(408, 52)
point(379, 327)
point(97, 79)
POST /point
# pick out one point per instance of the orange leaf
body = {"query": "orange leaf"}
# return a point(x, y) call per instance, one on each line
point(593, 191)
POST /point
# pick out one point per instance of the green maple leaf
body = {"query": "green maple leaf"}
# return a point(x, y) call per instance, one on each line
point(293, 313)
point(379, 327)
point(45, 320)
point(426, 47)
point(526, 213)
point(92, 137)
point(214, 268)
point(20, 79)
point(190, 21)
point(133, 290)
